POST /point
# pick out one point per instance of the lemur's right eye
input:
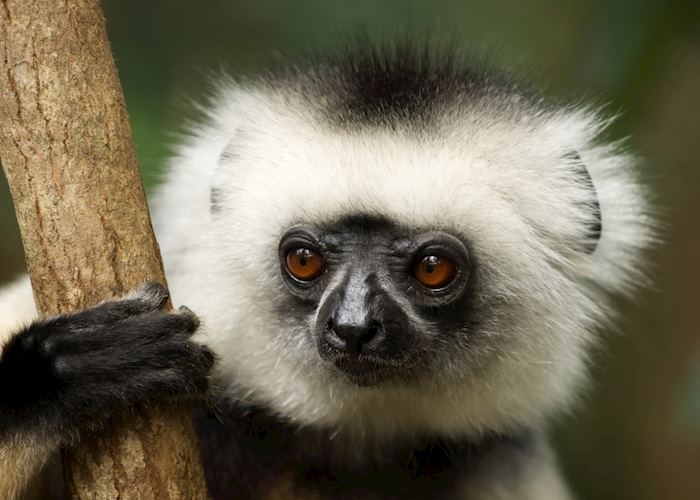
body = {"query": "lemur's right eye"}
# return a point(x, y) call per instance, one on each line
point(304, 264)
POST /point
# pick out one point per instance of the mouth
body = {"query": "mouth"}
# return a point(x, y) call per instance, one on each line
point(361, 373)
point(363, 370)
point(357, 367)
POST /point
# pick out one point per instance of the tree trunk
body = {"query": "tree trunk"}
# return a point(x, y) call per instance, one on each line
point(67, 152)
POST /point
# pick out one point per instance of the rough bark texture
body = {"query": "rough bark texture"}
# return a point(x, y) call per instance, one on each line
point(67, 152)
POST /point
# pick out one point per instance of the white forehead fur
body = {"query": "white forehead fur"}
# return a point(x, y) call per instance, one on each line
point(508, 186)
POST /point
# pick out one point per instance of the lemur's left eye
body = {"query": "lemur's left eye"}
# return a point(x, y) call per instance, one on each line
point(304, 264)
point(435, 271)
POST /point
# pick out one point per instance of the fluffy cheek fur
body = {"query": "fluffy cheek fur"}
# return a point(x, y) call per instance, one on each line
point(503, 378)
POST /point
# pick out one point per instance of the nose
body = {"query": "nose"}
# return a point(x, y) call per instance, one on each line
point(352, 337)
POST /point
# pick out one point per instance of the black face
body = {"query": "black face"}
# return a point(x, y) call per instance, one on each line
point(382, 295)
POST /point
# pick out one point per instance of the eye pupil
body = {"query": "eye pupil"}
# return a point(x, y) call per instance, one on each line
point(302, 260)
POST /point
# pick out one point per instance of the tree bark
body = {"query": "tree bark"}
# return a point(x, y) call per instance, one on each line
point(67, 151)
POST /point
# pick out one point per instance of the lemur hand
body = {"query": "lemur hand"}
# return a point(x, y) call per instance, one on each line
point(69, 372)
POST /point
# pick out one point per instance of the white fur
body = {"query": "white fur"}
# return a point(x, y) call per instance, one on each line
point(500, 182)
point(17, 307)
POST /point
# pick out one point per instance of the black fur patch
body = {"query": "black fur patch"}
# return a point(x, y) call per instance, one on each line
point(246, 450)
point(401, 85)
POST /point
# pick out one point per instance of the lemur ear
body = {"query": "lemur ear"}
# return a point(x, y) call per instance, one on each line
point(229, 154)
point(595, 227)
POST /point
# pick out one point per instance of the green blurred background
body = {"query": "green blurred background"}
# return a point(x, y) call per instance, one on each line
point(636, 434)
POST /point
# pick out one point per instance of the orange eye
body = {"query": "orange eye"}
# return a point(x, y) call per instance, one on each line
point(435, 272)
point(304, 264)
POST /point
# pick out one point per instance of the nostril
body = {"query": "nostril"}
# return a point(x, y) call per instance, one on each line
point(352, 338)
point(371, 332)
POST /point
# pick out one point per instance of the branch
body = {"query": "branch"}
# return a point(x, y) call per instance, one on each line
point(67, 152)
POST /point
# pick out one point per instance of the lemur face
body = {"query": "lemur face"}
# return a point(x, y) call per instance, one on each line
point(382, 258)
point(379, 267)
point(384, 297)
